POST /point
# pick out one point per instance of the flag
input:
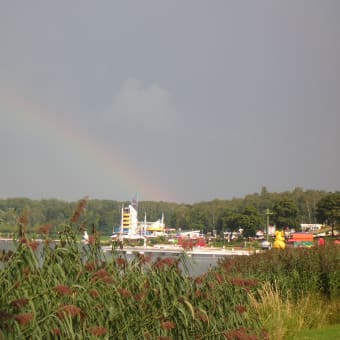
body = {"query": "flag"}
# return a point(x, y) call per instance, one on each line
point(134, 202)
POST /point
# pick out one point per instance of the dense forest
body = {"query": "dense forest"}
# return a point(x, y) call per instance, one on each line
point(290, 208)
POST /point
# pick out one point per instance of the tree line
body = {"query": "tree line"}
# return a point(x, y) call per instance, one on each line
point(289, 208)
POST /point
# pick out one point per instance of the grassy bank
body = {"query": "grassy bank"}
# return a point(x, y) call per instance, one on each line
point(325, 333)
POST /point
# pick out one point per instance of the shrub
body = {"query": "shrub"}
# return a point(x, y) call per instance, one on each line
point(296, 271)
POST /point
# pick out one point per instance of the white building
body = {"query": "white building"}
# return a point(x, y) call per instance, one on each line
point(130, 227)
point(310, 227)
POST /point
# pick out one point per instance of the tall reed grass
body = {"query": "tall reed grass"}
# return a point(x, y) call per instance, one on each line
point(295, 271)
point(283, 317)
point(68, 290)
point(300, 287)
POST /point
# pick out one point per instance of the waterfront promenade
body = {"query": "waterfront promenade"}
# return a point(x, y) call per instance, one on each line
point(176, 250)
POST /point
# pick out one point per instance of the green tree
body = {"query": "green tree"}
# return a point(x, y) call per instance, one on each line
point(328, 210)
point(182, 217)
point(232, 222)
point(198, 219)
point(249, 220)
point(285, 213)
point(252, 221)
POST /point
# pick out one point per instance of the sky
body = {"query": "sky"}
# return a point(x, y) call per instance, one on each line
point(181, 101)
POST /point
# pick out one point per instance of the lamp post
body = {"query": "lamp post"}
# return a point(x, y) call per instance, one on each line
point(268, 212)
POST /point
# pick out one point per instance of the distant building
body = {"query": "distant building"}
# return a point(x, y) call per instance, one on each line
point(130, 227)
point(310, 227)
point(271, 230)
point(260, 235)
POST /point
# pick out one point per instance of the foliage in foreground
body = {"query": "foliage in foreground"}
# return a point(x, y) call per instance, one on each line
point(284, 317)
point(73, 292)
point(326, 333)
point(294, 271)
point(68, 290)
point(300, 288)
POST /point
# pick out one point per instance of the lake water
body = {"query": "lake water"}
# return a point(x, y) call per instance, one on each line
point(195, 264)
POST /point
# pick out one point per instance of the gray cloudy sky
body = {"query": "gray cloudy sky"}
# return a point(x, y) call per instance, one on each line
point(176, 100)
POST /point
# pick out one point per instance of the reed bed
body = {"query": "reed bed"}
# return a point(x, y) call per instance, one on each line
point(283, 316)
point(294, 271)
point(70, 290)
point(300, 288)
point(67, 296)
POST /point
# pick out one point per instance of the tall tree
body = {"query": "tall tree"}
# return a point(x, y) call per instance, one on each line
point(252, 221)
point(328, 210)
point(249, 220)
point(285, 213)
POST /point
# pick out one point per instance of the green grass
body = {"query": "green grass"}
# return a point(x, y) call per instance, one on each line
point(325, 333)
point(283, 317)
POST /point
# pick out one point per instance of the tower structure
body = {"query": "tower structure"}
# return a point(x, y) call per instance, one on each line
point(129, 221)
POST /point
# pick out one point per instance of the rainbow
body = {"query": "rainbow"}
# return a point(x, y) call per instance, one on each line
point(57, 130)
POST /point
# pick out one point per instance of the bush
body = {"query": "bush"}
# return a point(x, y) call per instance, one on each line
point(296, 271)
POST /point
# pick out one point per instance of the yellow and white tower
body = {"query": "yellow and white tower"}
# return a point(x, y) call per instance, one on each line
point(129, 220)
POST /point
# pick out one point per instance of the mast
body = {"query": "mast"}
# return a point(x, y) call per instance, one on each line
point(121, 221)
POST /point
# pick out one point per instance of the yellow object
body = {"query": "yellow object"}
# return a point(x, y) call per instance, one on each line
point(279, 242)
